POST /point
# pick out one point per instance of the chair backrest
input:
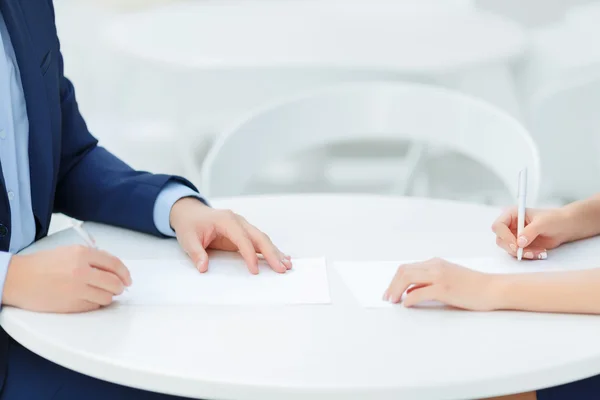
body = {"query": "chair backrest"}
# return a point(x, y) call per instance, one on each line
point(371, 111)
point(565, 121)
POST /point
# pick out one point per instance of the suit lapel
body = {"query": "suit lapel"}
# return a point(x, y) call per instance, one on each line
point(40, 131)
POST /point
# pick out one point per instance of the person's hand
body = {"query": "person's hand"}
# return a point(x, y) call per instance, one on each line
point(544, 230)
point(199, 227)
point(441, 281)
point(64, 280)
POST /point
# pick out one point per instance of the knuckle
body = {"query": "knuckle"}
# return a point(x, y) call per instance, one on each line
point(264, 237)
point(437, 273)
point(247, 244)
point(119, 266)
point(81, 272)
point(228, 214)
point(81, 251)
point(400, 271)
point(112, 260)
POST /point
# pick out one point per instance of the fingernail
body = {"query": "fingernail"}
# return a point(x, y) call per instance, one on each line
point(286, 263)
point(528, 255)
point(513, 247)
point(199, 264)
point(543, 255)
point(522, 242)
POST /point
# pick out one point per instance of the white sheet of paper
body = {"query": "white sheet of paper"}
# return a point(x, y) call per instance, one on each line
point(368, 280)
point(227, 282)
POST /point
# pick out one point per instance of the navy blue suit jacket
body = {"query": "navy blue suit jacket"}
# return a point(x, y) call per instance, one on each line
point(69, 172)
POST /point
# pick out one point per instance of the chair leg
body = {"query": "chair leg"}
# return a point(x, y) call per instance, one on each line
point(415, 159)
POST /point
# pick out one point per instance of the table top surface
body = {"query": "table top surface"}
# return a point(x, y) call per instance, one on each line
point(336, 351)
point(408, 37)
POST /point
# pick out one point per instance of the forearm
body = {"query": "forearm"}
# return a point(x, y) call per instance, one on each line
point(559, 292)
point(100, 187)
point(584, 217)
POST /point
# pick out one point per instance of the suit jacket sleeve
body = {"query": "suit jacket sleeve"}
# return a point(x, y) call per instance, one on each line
point(93, 184)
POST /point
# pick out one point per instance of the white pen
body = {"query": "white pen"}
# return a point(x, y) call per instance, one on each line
point(89, 240)
point(521, 200)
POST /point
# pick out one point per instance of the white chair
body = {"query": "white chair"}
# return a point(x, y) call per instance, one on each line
point(565, 122)
point(216, 74)
point(371, 111)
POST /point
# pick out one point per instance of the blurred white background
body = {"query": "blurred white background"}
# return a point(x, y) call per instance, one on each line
point(158, 79)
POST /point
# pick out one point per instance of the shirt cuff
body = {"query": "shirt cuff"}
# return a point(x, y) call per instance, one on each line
point(168, 196)
point(4, 262)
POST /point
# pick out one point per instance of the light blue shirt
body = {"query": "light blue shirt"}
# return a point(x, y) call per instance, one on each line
point(14, 158)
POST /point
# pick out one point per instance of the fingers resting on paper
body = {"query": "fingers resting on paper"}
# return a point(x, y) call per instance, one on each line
point(207, 228)
point(441, 281)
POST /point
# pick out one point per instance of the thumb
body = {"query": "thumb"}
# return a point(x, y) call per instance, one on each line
point(420, 295)
point(530, 233)
point(190, 243)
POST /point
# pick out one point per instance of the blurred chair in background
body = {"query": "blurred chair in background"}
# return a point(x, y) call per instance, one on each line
point(365, 112)
point(224, 59)
point(176, 72)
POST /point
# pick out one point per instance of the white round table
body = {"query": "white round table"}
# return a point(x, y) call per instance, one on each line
point(337, 351)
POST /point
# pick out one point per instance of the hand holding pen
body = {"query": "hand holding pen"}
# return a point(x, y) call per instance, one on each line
point(87, 237)
point(530, 233)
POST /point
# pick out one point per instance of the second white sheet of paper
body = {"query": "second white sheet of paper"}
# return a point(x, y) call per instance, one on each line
point(228, 282)
point(368, 280)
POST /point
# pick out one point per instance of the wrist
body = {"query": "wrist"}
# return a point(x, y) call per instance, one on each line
point(579, 221)
point(181, 210)
point(570, 221)
point(13, 281)
point(500, 292)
